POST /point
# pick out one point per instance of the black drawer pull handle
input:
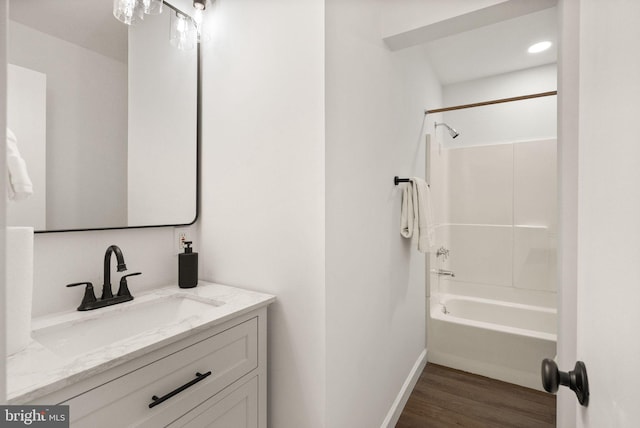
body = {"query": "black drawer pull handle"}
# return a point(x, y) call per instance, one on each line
point(199, 377)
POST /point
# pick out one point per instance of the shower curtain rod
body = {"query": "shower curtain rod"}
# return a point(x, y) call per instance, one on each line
point(486, 103)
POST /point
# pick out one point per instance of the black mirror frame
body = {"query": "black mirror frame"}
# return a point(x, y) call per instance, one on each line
point(198, 158)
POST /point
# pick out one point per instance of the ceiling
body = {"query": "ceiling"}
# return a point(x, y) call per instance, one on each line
point(485, 51)
point(494, 49)
point(87, 23)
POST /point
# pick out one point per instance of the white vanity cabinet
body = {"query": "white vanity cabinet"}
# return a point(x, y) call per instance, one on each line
point(220, 376)
point(237, 409)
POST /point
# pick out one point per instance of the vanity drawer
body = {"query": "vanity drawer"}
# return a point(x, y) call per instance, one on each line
point(125, 401)
point(237, 408)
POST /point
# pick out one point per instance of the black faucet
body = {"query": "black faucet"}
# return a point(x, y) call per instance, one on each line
point(106, 286)
point(89, 300)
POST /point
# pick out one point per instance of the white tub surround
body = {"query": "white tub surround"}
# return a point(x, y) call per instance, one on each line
point(41, 370)
point(499, 230)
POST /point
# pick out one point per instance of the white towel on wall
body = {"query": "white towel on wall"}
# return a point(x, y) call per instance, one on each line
point(416, 217)
point(20, 186)
point(407, 213)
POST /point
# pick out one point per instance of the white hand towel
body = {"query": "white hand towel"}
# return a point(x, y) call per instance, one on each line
point(407, 213)
point(416, 216)
point(20, 186)
point(424, 214)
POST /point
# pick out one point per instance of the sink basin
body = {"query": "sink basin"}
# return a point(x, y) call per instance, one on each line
point(105, 327)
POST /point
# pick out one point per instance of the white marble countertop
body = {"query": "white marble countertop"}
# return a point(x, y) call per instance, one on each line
point(37, 371)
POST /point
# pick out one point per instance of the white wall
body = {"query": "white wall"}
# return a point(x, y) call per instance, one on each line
point(405, 15)
point(375, 278)
point(262, 221)
point(526, 120)
point(63, 258)
point(87, 140)
point(409, 23)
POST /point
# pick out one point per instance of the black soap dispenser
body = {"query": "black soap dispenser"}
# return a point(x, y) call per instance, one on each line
point(188, 267)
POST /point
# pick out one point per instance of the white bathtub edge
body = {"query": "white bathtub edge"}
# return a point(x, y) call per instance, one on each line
point(522, 378)
point(397, 407)
point(497, 327)
point(436, 313)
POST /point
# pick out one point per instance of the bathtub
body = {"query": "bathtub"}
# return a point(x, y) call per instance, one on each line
point(497, 339)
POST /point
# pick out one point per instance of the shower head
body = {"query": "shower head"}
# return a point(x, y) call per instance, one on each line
point(452, 131)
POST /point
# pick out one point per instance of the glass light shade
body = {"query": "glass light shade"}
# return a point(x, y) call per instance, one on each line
point(183, 32)
point(151, 7)
point(197, 17)
point(539, 47)
point(126, 11)
point(203, 36)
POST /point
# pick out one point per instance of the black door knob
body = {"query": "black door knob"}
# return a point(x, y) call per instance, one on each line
point(576, 379)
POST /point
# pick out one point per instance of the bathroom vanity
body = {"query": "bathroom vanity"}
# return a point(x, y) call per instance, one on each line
point(179, 358)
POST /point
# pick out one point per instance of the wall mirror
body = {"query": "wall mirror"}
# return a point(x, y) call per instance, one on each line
point(105, 115)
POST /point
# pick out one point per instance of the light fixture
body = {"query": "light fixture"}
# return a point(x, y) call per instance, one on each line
point(183, 32)
point(200, 6)
point(131, 11)
point(186, 30)
point(539, 47)
point(126, 11)
point(152, 7)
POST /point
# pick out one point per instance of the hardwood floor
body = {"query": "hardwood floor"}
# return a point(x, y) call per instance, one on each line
point(445, 397)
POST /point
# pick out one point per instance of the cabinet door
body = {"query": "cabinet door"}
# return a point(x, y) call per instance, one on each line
point(125, 401)
point(238, 409)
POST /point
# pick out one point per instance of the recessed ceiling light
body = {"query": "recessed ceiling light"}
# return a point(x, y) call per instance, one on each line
point(539, 47)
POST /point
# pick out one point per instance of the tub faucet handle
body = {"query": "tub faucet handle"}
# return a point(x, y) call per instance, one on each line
point(444, 252)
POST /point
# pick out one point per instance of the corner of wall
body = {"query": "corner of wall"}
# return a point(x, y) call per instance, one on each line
point(410, 382)
point(3, 201)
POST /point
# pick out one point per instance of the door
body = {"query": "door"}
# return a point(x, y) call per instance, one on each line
point(600, 209)
point(237, 409)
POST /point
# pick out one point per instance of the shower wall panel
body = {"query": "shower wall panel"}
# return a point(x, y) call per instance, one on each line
point(501, 229)
point(481, 185)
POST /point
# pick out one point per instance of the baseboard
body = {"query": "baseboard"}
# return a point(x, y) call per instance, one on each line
point(398, 404)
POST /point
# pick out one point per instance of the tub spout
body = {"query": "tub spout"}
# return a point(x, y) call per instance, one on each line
point(443, 272)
